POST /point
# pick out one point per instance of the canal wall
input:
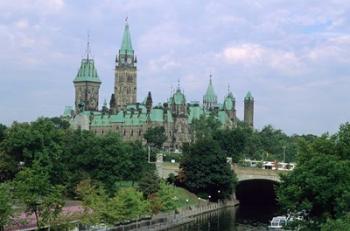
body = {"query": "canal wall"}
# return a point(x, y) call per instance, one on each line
point(164, 221)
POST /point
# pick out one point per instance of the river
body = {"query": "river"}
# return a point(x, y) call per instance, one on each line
point(243, 218)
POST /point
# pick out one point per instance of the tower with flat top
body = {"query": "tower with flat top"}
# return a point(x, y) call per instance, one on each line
point(249, 109)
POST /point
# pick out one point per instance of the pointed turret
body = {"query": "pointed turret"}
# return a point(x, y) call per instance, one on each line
point(210, 99)
point(249, 109)
point(126, 47)
point(149, 102)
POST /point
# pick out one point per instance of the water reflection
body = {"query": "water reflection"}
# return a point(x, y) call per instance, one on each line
point(244, 218)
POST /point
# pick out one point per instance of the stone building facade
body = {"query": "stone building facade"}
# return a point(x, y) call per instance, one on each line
point(131, 119)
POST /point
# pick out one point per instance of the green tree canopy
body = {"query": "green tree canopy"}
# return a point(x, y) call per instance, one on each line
point(155, 136)
point(34, 190)
point(126, 204)
point(205, 126)
point(320, 183)
point(6, 209)
point(206, 170)
point(149, 183)
point(3, 129)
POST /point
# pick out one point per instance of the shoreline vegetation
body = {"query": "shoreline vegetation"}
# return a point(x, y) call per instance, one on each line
point(73, 213)
point(44, 163)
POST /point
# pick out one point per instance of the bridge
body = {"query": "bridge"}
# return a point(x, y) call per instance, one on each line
point(246, 173)
point(243, 173)
point(255, 185)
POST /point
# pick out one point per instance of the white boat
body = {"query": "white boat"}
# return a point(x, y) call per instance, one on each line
point(277, 223)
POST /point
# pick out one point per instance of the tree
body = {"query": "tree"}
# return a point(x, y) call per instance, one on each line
point(139, 162)
point(233, 141)
point(206, 170)
point(8, 167)
point(149, 184)
point(28, 141)
point(155, 137)
point(126, 204)
point(320, 184)
point(6, 210)
point(34, 190)
point(205, 126)
point(131, 203)
point(3, 129)
point(96, 204)
point(342, 223)
point(167, 197)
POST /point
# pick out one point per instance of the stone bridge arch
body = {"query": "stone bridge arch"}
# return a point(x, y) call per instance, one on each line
point(245, 174)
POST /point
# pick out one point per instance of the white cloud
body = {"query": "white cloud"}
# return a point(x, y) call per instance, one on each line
point(22, 24)
point(162, 37)
point(41, 6)
point(164, 63)
point(249, 54)
point(245, 53)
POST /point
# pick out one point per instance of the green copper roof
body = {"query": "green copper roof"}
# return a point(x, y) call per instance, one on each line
point(210, 95)
point(101, 121)
point(195, 113)
point(126, 46)
point(179, 97)
point(229, 102)
point(87, 72)
point(222, 117)
point(118, 118)
point(157, 115)
point(249, 96)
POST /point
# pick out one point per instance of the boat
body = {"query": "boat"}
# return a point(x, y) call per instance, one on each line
point(277, 223)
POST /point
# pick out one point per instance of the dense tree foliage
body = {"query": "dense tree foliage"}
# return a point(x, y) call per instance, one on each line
point(167, 197)
point(342, 223)
point(71, 156)
point(149, 184)
point(34, 190)
point(155, 136)
point(206, 171)
point(321, 182)
point(2, 132)
point(6, 209)
point(243, 141)
point(45, 160)
point(127, 203)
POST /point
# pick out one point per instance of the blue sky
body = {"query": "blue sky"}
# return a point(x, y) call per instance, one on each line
point(294, 56)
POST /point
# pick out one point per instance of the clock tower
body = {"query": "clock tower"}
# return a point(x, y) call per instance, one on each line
point(125, 84)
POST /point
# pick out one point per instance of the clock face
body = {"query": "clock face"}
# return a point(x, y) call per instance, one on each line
point(129, 60)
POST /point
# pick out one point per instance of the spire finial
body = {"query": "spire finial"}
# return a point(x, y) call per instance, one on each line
point(178, 84)
point(228, 88)
point(88, 49)
point(126, 19)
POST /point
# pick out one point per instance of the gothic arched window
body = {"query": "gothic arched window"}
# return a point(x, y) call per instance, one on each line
point(130, 79)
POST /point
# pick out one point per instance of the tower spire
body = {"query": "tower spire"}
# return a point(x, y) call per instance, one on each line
point(88, 48)
point(126, 47)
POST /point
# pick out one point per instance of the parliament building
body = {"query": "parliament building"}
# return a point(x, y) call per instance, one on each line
point(131, 119)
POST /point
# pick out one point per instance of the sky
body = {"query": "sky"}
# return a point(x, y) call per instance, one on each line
point(294, 56)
